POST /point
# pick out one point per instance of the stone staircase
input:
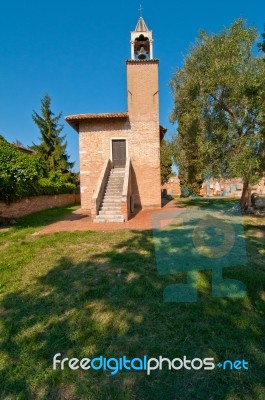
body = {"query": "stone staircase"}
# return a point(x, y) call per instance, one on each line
point(110, 207)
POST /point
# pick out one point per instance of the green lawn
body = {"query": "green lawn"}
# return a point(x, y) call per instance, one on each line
point(86, 294)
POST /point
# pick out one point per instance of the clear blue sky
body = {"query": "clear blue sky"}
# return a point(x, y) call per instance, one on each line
point(76, 51)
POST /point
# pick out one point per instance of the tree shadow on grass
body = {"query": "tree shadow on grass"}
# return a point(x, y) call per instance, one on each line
point(45, 217)
point(111, 304)
point(205, 201)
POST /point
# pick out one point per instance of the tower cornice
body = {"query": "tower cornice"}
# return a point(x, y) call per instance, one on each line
point(153, 61)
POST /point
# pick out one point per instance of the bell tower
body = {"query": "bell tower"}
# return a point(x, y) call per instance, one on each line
point(143, 111)
point(142, 76)
point(141, 42)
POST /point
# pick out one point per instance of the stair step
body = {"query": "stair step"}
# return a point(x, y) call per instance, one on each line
point(113, 196)
point(111, 199)
point(113, 193)
point(114, 187)
point(113, 190)
point(107, 200)
point(109, 217)
point(114, 206)
point(102, 221)
point(110, 212)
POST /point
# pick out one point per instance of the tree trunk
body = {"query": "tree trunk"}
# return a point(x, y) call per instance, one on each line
point(245, 201)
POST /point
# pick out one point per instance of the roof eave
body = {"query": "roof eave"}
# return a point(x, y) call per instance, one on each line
point(163, 131)
point(74, 120)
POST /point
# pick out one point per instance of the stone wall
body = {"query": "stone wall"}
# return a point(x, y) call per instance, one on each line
point(36, 203)
point(229, 187)
point(214, 187)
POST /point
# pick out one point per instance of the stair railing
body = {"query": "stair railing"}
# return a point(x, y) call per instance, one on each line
point(100, 187)
point(126, 191)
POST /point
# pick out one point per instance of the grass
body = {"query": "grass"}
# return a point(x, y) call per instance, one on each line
point(85, 294)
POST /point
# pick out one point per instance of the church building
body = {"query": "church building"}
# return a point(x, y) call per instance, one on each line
point(120, 152)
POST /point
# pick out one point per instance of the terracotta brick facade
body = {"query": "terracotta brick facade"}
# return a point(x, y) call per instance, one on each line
point(140, 130)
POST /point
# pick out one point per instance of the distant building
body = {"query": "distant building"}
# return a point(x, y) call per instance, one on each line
point(23, 149)
point(171, 187)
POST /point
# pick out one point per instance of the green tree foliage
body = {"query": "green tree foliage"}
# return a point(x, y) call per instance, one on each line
point(48, 171)
point(187, 148)
point(22, 175)
point(52, 147)
point(219, 105)
point(19, 173)
point(261, 45)
point(165, 160)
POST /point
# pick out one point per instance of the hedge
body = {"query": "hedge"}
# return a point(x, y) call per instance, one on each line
point(21, 175)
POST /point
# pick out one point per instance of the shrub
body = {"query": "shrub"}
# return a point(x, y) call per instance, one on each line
point(19, 172)
point(47, 186)
point(22, 175)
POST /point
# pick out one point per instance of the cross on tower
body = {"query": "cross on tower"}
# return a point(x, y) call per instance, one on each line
point(141, 10)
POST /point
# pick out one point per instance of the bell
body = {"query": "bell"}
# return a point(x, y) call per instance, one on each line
point(142, 54)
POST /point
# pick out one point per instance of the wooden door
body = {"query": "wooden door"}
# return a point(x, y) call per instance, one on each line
point(119, 153)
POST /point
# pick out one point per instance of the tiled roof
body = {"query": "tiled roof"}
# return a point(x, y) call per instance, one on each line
point(24, 149)
point(74, 120)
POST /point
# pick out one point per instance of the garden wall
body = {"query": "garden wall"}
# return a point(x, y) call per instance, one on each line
point(36, 203)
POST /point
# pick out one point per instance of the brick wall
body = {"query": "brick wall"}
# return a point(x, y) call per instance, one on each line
point(95, 148)
point(142, 85)
point(36, 203)
point(143, 109)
